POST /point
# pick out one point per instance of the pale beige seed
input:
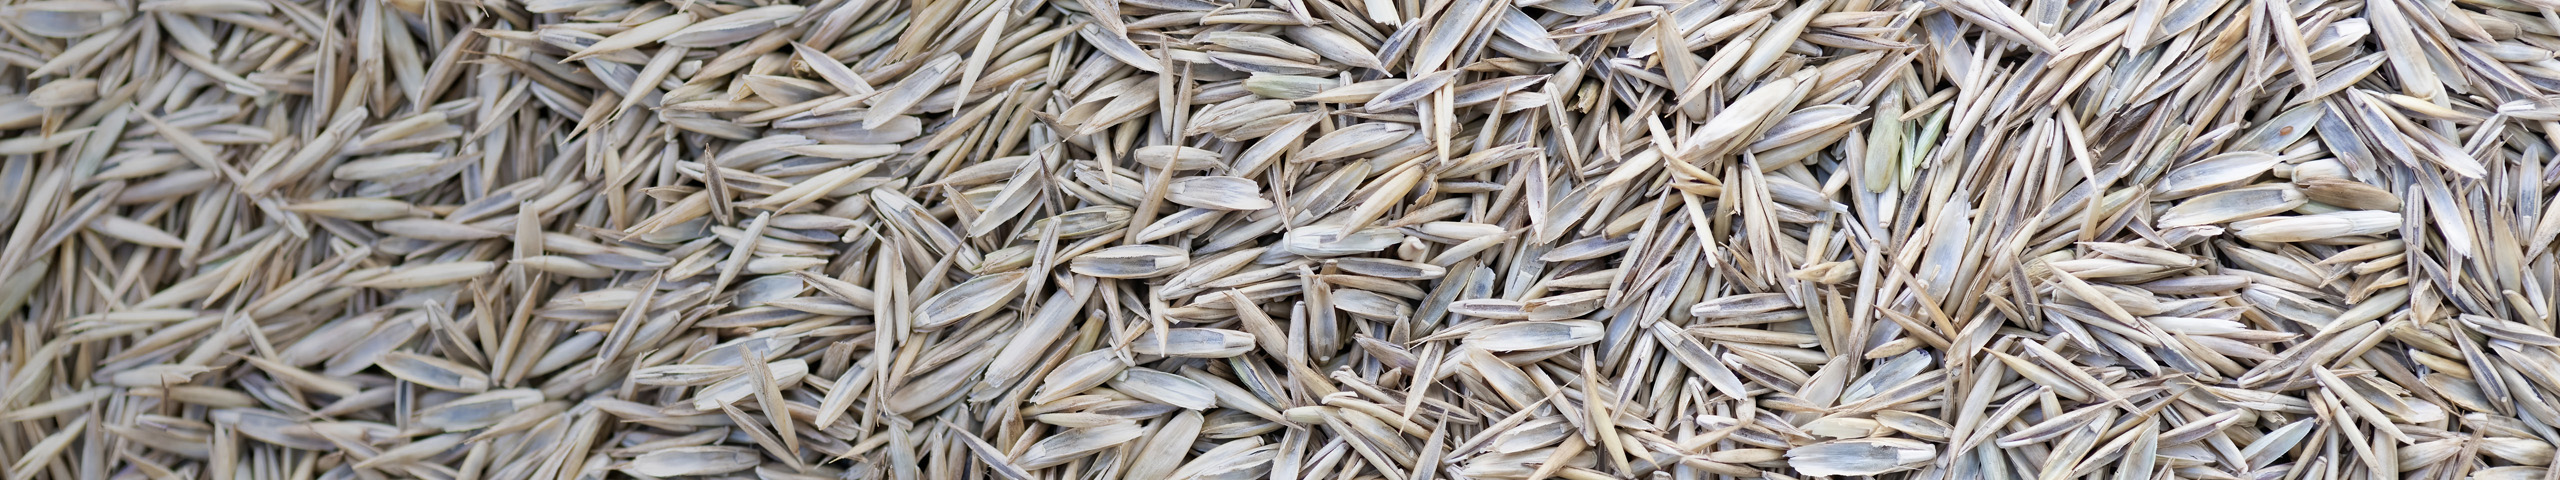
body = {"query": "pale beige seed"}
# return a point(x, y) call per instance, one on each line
point(2317, 227)
point(968, 299)
point(1177, 157)
point(1536, 335)
point(2348, 194)
point(734, 27)
point(2232, 205)
point(1077, 443)
point(1217, 192)
point(1193, 342)
point(705, 460)
point(1078, 373)
point(1164, 388)
point(430, 275)
point(434, 373)
point(1744, 117)
point(2213, 173)
point(1358, 139)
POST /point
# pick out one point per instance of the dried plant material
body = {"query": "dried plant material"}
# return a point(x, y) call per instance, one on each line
point(703, 460)
point(1132, 261)
point(1193, 342)
point(1070, 445)
point(1860, 457)
point(1201, 239)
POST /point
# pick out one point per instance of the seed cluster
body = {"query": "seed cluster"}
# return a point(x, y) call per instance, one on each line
point(1293, 239)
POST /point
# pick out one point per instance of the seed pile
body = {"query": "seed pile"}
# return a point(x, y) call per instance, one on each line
point(1298, 239)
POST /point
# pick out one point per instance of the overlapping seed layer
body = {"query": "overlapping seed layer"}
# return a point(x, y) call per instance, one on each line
point(1299, 239)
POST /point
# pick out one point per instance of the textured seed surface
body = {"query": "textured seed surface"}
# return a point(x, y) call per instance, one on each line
point(1297, 239)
